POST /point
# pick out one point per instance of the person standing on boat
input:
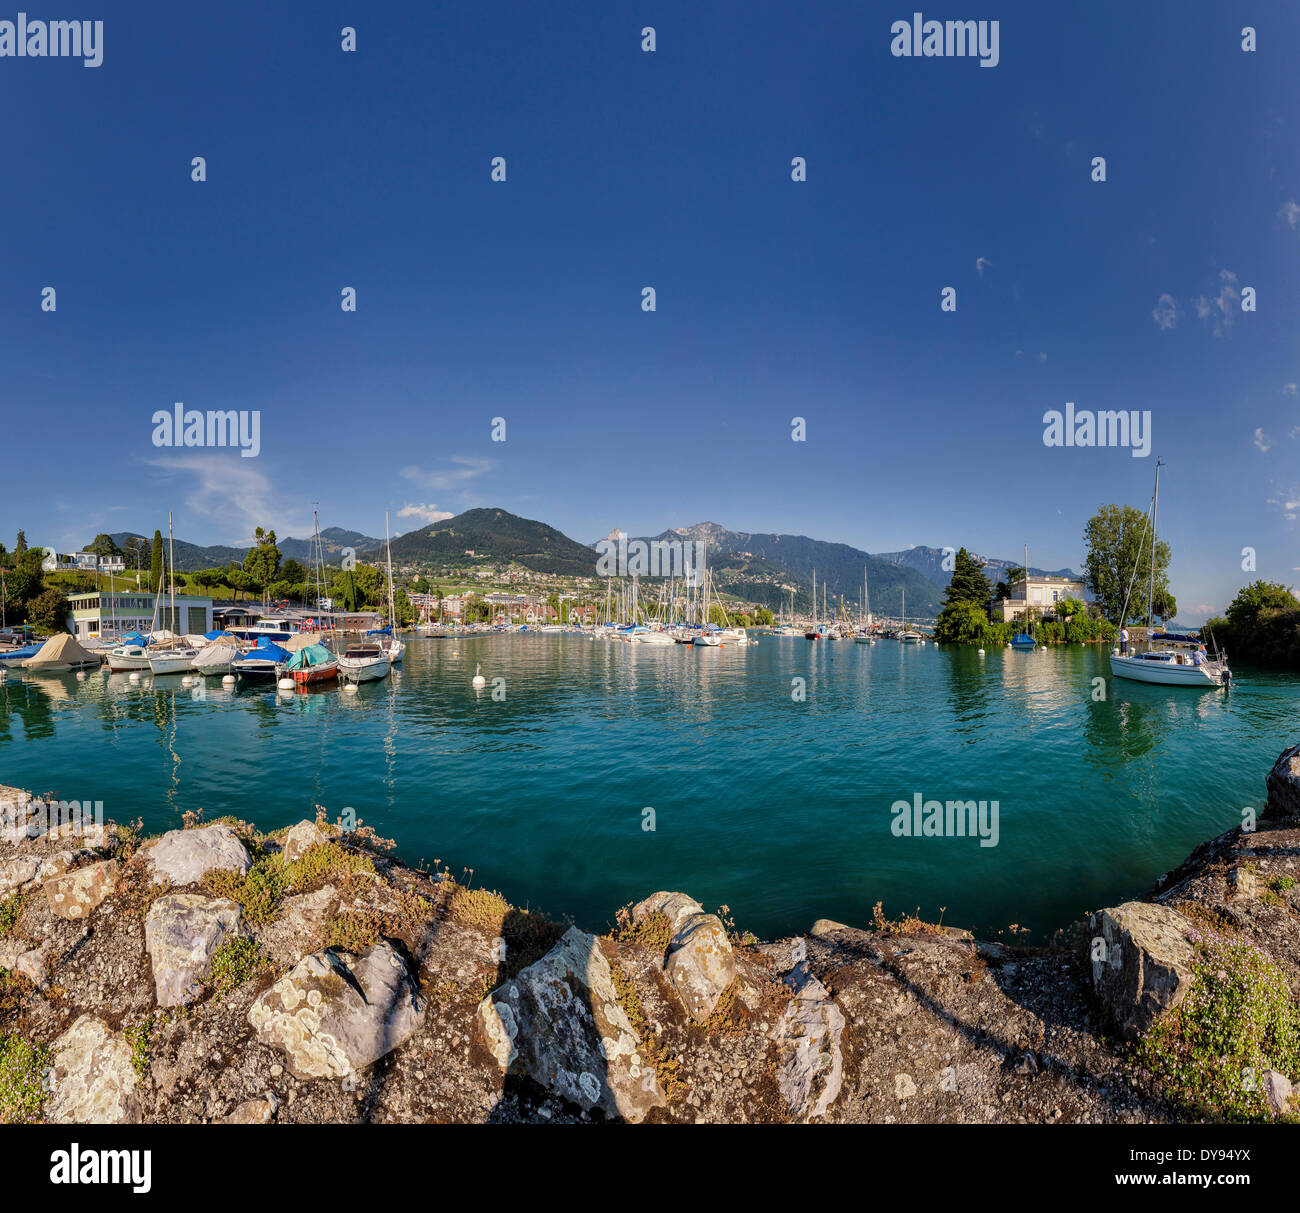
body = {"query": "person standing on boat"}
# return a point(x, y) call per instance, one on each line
point(1123, 642)
point(1199, 658)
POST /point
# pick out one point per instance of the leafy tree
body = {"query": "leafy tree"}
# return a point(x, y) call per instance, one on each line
point(293, 572)
point(156, 566)
point(20, 544)
point(1119, 540)
point(104, 546)
point(48, 611)
point(1259, 596)
point(763, 617)
point(262, 561)
point(962, 623)
point(1067, 608)
point(1263, 623)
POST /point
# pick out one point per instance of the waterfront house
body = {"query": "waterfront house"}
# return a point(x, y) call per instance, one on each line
point(81, 562)
point(112, 615)
point(1039, 595)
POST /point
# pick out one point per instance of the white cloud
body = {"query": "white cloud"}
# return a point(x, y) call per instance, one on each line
point(1041, 356)
point(1288, 389)
point(1223, 306)
point(425, 513)
point(1165, 313)
point(1290, 212)
point(228, 488)
point(1262, 440)
point(980, 263)
point(444, 480)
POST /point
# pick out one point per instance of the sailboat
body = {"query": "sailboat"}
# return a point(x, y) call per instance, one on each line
point(1025, 640)
point(386, 638)
point(905, 636)
point(172, 659)
point(1167, 666)
point(818, 630)
point(864, 616)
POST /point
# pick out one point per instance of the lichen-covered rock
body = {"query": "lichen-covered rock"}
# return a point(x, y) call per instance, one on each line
point(1141, 962)
point(18, 956)
point(299, 927)
point(335, 1013)
point(63, 861)
point(92, 1079)
point(76, 893)
point(1277, 1090)
point(301, 838)
point(676, 907)
point(181, 932)
point(559, 1022)
point(254, 1111)
point(181, 857)
point(1283, 783)
point(17, 872)
point(811, 1065)
point(700, 964)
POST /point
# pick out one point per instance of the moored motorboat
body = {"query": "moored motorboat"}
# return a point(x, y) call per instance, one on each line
point(364, 661)
point(313, 664)
point(264, 661)
point(172, 661)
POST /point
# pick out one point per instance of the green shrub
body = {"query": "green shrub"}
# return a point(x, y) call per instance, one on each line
point(1237, 1021)
point(23, 1090)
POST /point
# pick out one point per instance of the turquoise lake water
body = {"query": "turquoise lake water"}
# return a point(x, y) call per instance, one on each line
point(780, 810)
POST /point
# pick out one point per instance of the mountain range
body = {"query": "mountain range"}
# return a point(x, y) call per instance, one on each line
point(190, 557)
point(772, 569)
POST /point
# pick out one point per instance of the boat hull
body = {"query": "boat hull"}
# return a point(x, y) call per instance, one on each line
point(369, 669)
point(1164, 673)
point(327, 671)
point(181, 662)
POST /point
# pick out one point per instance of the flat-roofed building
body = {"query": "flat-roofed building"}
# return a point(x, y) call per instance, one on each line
point(107, 616)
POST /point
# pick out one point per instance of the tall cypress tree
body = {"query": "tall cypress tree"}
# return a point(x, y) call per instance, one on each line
point(156, 568)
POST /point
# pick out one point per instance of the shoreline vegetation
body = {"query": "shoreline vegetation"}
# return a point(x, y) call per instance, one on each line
point(221, 973)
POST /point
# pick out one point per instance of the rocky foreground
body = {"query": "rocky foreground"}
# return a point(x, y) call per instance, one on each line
point(219, 974)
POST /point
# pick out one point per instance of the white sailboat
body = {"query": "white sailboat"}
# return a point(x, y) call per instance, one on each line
point(906, 636)
point(172, 659)
point(392, 644)
point(1172, 666)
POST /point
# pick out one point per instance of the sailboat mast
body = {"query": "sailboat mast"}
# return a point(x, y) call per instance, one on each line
point(388, 543)
point(1151, 588)
point(171, 543)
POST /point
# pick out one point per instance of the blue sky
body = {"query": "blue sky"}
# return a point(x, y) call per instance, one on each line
point(775, 299)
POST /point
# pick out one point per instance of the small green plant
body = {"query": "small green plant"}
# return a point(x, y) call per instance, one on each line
point(238, 959)
point(138, 1037)
point(271, 880)
point(10, 912)
point(1237, 1021)
point(23, 1086)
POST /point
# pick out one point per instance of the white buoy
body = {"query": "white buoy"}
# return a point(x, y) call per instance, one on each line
point(187, 680)
point(981, 652)
point(349, 688)
point(227, 679)
point(81, 675)
point(133, 676)
point(478, 680)
point(285, 684)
